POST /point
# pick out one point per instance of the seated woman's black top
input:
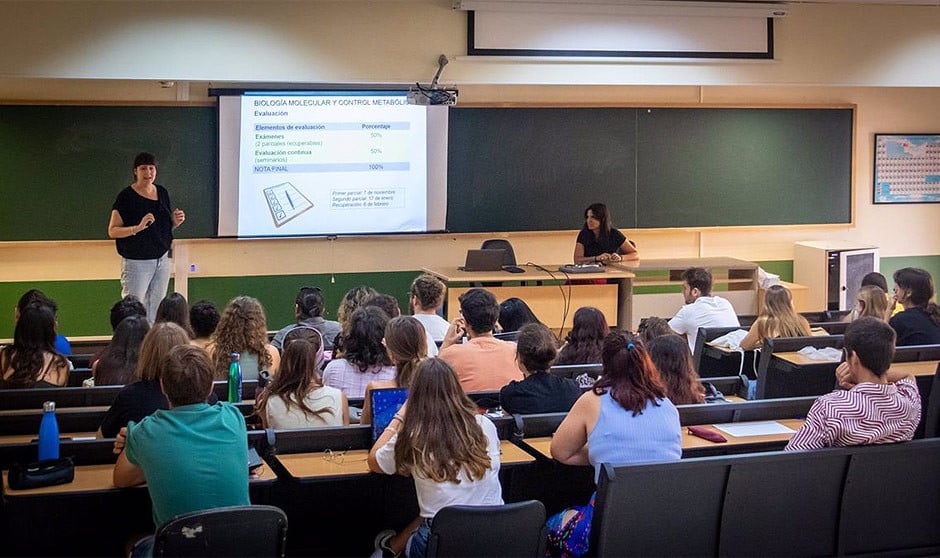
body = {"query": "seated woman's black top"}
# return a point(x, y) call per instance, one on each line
point(609, 244)
point(915, 326)
point(539, 392)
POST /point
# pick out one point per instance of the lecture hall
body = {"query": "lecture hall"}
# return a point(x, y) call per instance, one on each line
point(876, 61)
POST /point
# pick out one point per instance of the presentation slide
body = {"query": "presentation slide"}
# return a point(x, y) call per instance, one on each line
point(329, 163)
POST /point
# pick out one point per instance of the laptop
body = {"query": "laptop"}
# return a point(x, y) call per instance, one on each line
point(385, 403)
point(484, 260)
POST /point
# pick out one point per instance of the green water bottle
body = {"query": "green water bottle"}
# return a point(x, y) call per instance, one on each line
point(234, 380)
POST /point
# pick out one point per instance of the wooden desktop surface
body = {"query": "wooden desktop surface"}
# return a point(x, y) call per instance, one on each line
point(645, 264)
point(353, 462)
point(914, 368)
point(543, 444)
point(17, 439)
point(97, 478)
point(452, 274)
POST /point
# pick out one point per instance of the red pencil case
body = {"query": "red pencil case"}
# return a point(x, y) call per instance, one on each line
point(706, 434)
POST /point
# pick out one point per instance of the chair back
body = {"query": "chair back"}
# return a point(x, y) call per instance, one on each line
point(230, 531)
point(932, 411)
point(516, 529)
point(509, 256)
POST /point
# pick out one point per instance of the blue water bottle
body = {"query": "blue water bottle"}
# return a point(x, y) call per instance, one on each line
point(234, 379)
point(48, 433)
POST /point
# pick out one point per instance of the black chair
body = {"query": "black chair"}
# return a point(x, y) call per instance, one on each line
point(712, 361)
point(932, 410)
point(778, 378)
point(509, 256)
point(229, 531)
point(516, 529)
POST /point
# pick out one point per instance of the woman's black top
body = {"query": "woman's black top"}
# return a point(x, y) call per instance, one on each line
point(155, 240)
point(609, 244)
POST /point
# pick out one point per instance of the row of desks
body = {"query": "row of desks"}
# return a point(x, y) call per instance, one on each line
point(323, 465)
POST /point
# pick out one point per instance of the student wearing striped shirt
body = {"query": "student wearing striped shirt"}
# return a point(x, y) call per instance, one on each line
point(877, 407)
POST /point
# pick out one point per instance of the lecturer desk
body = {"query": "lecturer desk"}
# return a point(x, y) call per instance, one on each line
point(547, 301)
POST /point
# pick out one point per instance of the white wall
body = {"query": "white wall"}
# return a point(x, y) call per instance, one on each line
point(399, 41)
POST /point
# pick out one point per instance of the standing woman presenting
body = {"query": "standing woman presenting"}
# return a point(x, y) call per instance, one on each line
point(598, 241)
point(142, 225)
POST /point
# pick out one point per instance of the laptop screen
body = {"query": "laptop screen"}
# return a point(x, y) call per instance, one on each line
point(385, 403)
point(484, 260)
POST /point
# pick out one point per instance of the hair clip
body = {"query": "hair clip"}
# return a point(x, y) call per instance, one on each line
point(630, 346)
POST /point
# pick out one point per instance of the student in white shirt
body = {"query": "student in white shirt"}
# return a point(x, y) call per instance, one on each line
point(701, 308)
point(427, 296)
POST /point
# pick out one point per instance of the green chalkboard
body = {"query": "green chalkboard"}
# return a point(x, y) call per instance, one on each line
point(62, 166)
point(514, 169)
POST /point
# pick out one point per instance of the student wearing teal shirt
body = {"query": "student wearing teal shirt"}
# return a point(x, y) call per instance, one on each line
point(193, 456)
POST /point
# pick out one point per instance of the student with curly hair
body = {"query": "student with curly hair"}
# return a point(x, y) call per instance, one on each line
point(364, 356)
point(243, 329)
point(450, 450)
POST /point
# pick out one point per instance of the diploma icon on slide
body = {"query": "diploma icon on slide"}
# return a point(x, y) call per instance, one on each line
point(285, 202)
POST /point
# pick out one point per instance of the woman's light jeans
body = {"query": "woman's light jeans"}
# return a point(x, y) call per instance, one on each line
point(147, 280)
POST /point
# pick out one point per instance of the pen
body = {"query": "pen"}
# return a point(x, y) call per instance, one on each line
point(290, 201)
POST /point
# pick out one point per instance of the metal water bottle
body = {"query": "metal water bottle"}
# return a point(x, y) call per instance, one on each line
point(234, 379)
point(48, 433)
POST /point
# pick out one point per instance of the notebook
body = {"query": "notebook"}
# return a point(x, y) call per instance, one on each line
point(484, 260)
point(385, 403)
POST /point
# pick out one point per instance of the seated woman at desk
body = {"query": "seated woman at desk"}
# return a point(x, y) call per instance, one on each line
point(515, 313)
point(32, 361)
point(626, 418)
point(442, 441)
point(673, 360)
point(539, 391)
point(777, 318)
point(118, 363)
point(243, 329)
point(919, 323)
point(365, 358)
point(406, 341)
point(296, 397)
point(871, 301)
point(599, 241)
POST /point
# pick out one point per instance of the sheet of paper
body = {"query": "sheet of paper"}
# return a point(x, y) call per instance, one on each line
point(764, 428)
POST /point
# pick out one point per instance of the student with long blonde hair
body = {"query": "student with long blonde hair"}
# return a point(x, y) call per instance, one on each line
point(450, 450)
point(872, 301)
point(777, 318)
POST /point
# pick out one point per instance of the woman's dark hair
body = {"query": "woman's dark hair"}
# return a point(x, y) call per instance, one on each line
point(363, 346)
point(629, 373)
point(603, 215)
point(536, 347)
point(33, 337)
point(515, 313)
point(875, 279)
point(673, 360)
point(174, 308)
point(203, 317)
point(35, 296)
point(586, 339)
point(144, 158)
point(118, 365)
point(653, 327)
point(130, 305)
point(919, 286)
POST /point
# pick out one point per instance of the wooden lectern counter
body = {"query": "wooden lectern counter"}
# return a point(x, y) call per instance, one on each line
point(546, 293)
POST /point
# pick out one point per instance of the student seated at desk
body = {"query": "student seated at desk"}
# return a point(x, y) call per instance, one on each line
point(143, 397)
point(427, 297)
point(32, 361)
point(296, 397)
point(626, 418)
point(451, 451)
point(539, 391)
point(364, 359)
point(62, 345)
point(243, 329)
point(777, 318)
point(877, 407)
point(584, 342)
point(919, 323)
point(193, 456)
point(406, 342)
point(701, 308)
point(670, 353)
point(118, 363)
